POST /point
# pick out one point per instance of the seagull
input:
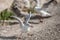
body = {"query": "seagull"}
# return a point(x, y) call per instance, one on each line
point(38, 4)
point(25, 26)
point(43, 13)
point(27, 3)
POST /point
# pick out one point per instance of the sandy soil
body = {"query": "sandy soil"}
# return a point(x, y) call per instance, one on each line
point(4, 4)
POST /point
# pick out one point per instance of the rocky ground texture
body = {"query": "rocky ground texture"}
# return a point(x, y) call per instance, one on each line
point(49, 29)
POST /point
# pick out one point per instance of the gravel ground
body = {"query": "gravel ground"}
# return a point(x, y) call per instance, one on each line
point(49, 29)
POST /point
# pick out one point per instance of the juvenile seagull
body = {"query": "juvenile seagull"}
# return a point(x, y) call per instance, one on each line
point(26, 27)
point(42, 12)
